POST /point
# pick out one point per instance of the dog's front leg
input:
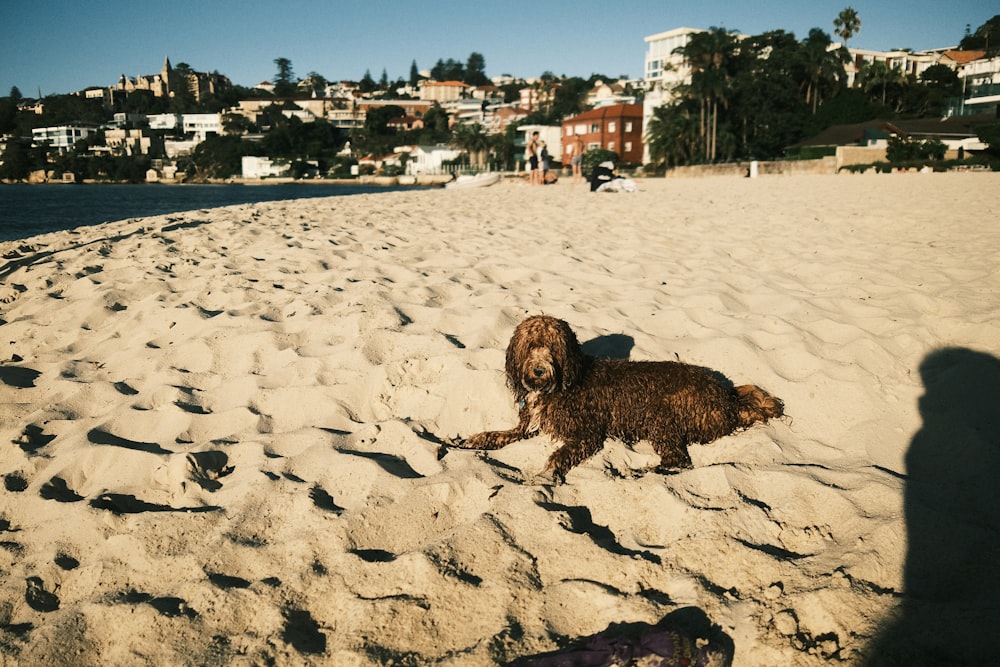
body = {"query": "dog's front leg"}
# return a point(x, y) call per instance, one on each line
point(498, 439)
point(573, 452)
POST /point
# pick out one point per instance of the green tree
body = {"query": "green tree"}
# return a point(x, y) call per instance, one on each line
point(847, 24)
point(708, 54)
point(596, 156)
point(472, 140)
point(569, 98)
point(942, 77)
point(367, 83)
point(238, 124)
point(436, 128)
point(414, 75)
point(475, 70)
point(673, 136)
point(316, 83)
point(449, 70)
point(284, 80)
point(823, 67)
point(16, 163)
point(985, 37)
point(876, 78)
point(767, 114)
point(906, 149)
point(990, 135)
point(8, 114)
point(218, 157)
point(182, 96)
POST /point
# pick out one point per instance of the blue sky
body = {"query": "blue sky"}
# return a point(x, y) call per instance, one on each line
point(63, 46)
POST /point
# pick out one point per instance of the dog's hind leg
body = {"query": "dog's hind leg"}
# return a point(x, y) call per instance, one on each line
point(673, 457)
point(670, 445)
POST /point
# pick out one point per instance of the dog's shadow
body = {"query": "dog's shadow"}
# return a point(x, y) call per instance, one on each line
point(612, 346)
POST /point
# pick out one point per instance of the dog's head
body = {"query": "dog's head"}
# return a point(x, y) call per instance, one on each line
point(544, 356)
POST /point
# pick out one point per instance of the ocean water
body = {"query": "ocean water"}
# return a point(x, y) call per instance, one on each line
point(28, 210)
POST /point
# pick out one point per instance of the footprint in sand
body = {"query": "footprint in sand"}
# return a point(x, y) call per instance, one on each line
point(208, 467)
point(19, 377)
point(15, 482)
point(38, 598)
point(33, 438)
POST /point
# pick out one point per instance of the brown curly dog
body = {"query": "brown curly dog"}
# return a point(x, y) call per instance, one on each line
point(579, 401)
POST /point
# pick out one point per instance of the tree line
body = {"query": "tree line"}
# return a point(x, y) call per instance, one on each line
point(754, 97)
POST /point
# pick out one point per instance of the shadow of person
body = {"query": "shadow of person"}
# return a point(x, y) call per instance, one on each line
point(950, 605)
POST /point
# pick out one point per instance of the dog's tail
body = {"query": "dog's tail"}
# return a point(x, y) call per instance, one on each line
point(756, 405)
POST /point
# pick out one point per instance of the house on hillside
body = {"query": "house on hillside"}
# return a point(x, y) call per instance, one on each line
point(616, 128)
point(427, 159)
point(980, 77)
point(262, 167)
point(61, 137)
point(169, 81)
point(441, 91)
point(605, 94)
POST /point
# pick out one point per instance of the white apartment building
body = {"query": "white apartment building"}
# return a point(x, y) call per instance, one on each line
point(664, 71)
point(263, 167)
point(198, 124)
point(61, 137)
point(907, 62)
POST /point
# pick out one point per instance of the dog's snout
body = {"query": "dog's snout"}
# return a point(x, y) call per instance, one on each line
point(538, 371)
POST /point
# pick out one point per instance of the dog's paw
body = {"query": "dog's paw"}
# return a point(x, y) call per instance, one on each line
point(543, 478)
point(550, 475)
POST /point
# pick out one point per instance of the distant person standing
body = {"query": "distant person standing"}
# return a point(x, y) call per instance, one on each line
point(576, 158)
point(543, 158)
point(534, 176)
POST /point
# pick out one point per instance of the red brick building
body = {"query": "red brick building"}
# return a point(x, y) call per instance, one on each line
point(617, 128)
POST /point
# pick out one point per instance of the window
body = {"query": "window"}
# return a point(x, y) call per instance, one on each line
point(581, 128)
point(593, 146)
point(628, 126)
point(611, 145)
point(595, 127)
point(628, 146)
point(611, 126)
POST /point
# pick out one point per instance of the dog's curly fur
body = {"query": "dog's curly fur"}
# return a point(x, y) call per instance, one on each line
point(580, 401)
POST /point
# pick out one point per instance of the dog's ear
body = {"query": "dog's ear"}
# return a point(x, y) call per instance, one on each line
point(517, 352)
point(568, 355)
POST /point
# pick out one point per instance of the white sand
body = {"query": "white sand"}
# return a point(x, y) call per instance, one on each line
point(290, 369)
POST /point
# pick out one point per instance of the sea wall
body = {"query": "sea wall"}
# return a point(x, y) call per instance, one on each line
point(825, 165)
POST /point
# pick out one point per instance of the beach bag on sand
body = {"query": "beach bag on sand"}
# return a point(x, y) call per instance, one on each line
point(602, 174)
point(669, 643)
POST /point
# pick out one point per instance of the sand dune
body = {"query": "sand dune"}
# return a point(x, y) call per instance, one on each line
point(223, 433)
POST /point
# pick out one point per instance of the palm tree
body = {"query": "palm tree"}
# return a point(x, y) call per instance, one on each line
point(673, 135)
point(472, 140)
point(824, 68)
point(847, 24)
point(879, 75)
point(708, 54)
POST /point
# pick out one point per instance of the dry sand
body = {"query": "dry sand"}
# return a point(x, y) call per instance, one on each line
point(220, 431)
